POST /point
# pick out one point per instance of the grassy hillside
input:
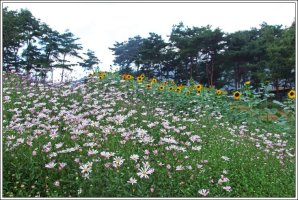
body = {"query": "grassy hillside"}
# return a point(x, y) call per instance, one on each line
point(112, 137)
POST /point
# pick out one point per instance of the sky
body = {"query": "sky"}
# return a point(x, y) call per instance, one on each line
point(100, 25)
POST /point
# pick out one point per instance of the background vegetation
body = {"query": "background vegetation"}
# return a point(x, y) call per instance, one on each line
point(206, 55)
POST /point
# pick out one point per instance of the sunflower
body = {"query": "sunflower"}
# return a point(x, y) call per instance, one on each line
point(102, 74)
point(198, 91)
point(154, 80)
point(142, 75)
point(101, 77)
point(124, 76)
point(292, 94)
point(237, 95)
point(161, 87)
point(178, 89)
point(218, 92)
point(247, 83)
point(166, 82)
point(188, 92)
point(170, 88)
point(129, 77)
point(198, 87)
point(148, 86)
point(140, 79)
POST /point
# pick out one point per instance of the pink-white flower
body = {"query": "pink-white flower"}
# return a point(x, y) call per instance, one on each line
point(92, 152)
point(57, 183)
point(145, 171)
point(147, 152)
point(225, 158)
point(34, 153)
point(132, 180)
point(59, 145)
point(85, 169)
point(203, 192)
point(62, 165)
point(134, 157)
point(179, 168)
point(50, 165)
point(107, 165)
point(118, 161)
point(152, 189)
point(223, 179)
point(106, 154)
point(227, 188)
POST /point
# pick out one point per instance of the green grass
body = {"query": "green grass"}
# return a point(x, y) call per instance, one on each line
point(192, 132)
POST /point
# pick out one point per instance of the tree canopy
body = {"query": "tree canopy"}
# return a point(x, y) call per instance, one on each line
point(211, 56)
point(29, 44)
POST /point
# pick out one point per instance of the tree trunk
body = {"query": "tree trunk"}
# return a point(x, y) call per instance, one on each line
point(15, 60)
point(190, 69)
point(207, 73)
point(62, 74)
point(277, 90)
point(211, 73)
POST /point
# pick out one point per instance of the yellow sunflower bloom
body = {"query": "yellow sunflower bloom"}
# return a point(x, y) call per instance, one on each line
point(140, 79)
point(219, 92)
point(198, 87)
point(148, 86)
point(178, 89)
point(247, 83)
point(237, 95)
point(102, 74)
point(154, 80)
point(292, 94)
point(129, 77)
point(161, 87)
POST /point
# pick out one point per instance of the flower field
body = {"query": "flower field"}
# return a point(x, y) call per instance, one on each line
point(125, 136)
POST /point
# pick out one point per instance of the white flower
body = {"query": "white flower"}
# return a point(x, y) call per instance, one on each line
point(225, 158)
point(59, 145)
point(119, 119)
point(145, 171)
point(92, 152)
point(50, 165)
point(62, 165)
point(57, 183)
point(85, 169)
point(203, 192)
point(196, 148)
point(134, 157)
point(195, 138)
point(132, 180)
point(227, 188)
point(118, 161)
point(223, 179)
point(179, 168)
point(106, 154)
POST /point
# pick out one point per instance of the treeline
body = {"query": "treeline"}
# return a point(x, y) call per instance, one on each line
point(212, 57)
point(30, 45)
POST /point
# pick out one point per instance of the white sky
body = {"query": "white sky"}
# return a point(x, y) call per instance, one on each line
point(100, 25)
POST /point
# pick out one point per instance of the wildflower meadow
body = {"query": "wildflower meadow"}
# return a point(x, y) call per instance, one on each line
point(124, 136)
